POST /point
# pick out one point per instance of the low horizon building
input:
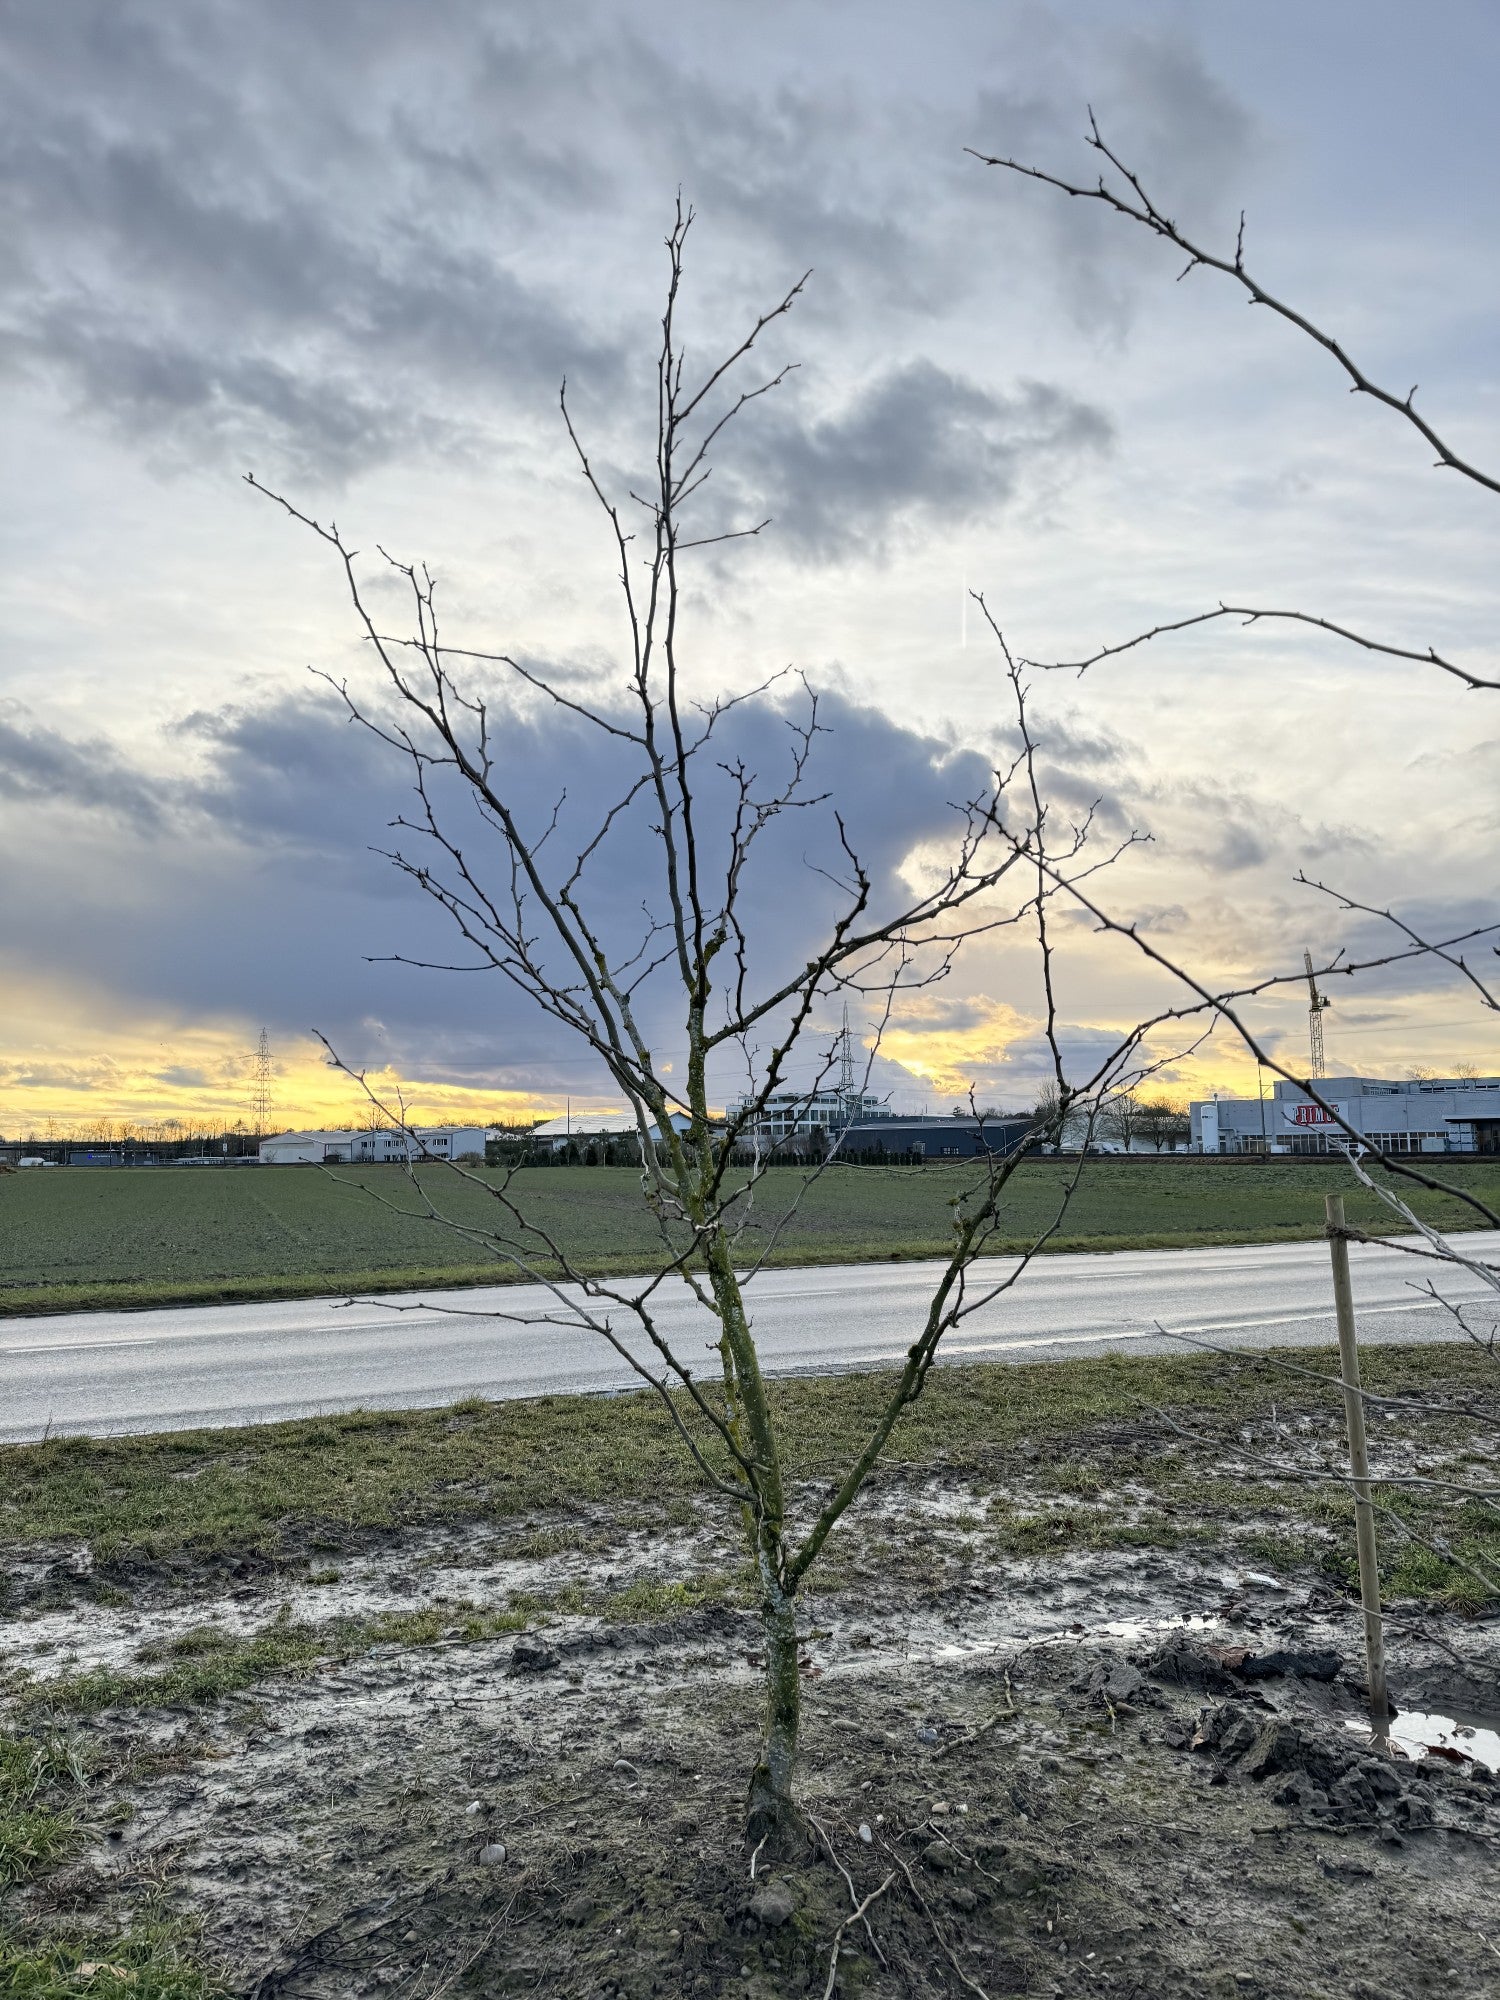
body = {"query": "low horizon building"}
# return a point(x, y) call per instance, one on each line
point(383, 1147)
point(964, 1137)
point(1395, 1115)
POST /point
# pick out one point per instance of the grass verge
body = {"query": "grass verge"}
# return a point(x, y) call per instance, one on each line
point(39, 1782)
point(281, 1492)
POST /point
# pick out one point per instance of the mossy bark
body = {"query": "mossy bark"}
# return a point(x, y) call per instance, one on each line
point(773, 1815)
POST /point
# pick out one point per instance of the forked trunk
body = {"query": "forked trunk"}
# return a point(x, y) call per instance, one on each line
point(773, 1813)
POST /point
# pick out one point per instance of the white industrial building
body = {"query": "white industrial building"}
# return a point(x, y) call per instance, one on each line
point(437, 1142)
point(793, 1114)
point(1453, 1114)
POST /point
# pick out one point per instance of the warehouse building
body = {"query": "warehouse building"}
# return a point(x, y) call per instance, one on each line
point(437, 1142)
point(962, 1138)
point(1412, 1115)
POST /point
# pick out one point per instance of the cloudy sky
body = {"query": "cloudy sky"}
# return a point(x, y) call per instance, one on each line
point(354, 248)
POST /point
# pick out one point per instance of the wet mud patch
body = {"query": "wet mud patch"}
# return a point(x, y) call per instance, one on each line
point(1133, 1771)
point(1083, 1712)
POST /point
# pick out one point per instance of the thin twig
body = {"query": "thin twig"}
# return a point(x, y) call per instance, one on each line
point(838, 1937)
point(934, 1925)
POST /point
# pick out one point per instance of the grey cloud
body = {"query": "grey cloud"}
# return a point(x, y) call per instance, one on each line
point(54, 1076)
point(1236, 845)
point(325, 236)
point(246, 260)
point(38, 765)
point(917, 444)
point(258, 893)
point(1160, 110)
point(1165, 919)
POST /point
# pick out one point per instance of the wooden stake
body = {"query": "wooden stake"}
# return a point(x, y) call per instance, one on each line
point(1359, 1464)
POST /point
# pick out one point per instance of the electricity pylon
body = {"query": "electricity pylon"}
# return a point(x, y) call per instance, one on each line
point(260, 1096)
point(846, 1067)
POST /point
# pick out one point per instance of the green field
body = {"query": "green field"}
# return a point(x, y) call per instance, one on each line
point(81, 1237)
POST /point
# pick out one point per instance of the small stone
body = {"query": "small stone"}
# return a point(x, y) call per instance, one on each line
point(1277, 1748)
point(938, 1854)
point(772, 1904)
point(1236, 1736)
point(474, 1806)
point(1116, 1684)
point(865, 1834)
point(927, 1734)
point(531, 1655)
point(492, 1855)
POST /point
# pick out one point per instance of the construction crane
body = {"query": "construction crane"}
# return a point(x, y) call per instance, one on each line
point(1318, 1001)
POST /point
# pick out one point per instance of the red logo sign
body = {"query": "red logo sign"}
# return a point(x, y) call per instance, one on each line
point(1311, 1114)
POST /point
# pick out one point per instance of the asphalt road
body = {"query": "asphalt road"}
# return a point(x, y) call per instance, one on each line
point(181, 1367)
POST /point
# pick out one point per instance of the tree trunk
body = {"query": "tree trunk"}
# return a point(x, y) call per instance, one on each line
point(773, 1813)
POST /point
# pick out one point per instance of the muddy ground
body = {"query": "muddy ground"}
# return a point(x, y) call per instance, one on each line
point(1133, 1771)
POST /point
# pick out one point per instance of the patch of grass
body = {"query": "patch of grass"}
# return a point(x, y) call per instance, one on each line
point(189, 1645)
point(154, 1959)
point(42, 1799)
point(647, 1597)
point(40, 1781)
point(81, 1239)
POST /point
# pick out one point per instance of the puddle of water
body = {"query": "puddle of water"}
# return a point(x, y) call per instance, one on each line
point(1143, 1628)
point(1415, 1735)
point(1131, 1629)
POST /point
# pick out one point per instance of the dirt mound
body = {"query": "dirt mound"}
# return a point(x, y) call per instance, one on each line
point(1329, 1780)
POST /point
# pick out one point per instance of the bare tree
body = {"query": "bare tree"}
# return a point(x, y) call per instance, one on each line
point(1123, 1119)
point(531, 896)
point(1163, 1124)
